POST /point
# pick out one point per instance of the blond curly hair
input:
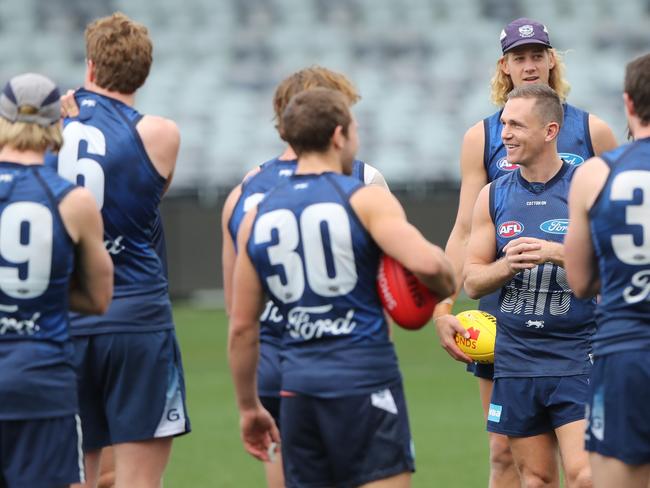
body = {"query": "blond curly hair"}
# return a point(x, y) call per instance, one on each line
point(501, 83)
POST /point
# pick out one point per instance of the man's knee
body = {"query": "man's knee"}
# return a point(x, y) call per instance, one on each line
point(500, 454)
point(579, 478)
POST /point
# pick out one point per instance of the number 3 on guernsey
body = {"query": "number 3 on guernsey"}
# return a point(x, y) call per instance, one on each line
point(83, 171)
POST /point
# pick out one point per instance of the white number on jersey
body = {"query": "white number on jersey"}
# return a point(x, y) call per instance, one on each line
point(315, 219)
point(71, 167)
point(623, 245)
point(26, 238)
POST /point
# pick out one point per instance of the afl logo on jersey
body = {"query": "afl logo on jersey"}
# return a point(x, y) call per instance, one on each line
point(572, 159)
point(504, 165)
point(555, 226)
point(510, 228)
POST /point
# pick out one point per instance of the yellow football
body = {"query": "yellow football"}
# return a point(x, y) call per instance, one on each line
point(482, 328)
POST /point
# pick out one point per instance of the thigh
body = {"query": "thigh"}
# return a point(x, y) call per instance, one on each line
point(617, 411)
point(141, 463)
point(570, 438)
point(516, 410)
point(536, 459)
point(42, 452)
point(609, 471)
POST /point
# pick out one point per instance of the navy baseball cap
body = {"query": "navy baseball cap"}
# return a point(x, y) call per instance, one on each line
point(523, 31)
point(30, 98)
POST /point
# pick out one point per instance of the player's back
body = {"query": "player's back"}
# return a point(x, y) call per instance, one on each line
point(36, 261)
point(103, 151)
point(619, 229)
point(543, 328)
point(319, 265)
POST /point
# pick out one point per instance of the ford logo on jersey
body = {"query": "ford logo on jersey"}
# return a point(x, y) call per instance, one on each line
point(572, 159)
point(511, 228)
point(555, 226)
point(504, 165)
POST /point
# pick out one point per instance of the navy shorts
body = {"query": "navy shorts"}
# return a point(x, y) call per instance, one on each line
point(617, 413)
point(524, 407)
point(347, 441)
point(480, 370)
point(131, 387)
point(41, 453)
point(272, 405)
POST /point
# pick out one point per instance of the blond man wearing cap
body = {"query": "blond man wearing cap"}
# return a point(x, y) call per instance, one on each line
point(52, 258)
point(527, 58)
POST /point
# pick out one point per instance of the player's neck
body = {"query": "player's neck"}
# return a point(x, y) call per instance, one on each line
point(22, 157)
point(125, 99)
point(317, 163)
point(641, 131)
point(288, 155)
point(543, 168)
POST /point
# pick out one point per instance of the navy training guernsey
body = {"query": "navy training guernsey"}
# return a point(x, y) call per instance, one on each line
point(271, 174)
point(36, 261)
point(103, 151)
point(620, 231)
point(573, 144)
point(319, 265)
point(543, 329)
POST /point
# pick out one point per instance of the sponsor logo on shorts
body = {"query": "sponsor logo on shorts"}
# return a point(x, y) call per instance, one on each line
point(504, 165)
point(597, 419)
point(384, 399)
point(572, 159)
point(494, 413)
point(510, 228)
point(555, 226)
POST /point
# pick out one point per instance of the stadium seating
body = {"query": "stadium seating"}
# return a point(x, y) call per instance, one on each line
point(422, 67)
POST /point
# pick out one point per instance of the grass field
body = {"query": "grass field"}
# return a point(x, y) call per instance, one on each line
point(444, 409)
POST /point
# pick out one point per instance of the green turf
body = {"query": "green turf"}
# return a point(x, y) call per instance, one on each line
point(444, 408)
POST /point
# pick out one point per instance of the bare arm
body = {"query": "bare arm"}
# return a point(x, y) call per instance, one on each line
point(257, 426)
point(602, 137)
point(580, 262)
point(383, 217)
point(473, 178)
point(161, 139)
point(483, 274)
point(228, 247)
point(91, 287)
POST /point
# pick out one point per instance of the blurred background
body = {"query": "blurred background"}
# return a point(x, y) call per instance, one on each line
point(422, 67)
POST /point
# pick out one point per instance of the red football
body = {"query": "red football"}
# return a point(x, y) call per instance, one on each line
point(404, 297)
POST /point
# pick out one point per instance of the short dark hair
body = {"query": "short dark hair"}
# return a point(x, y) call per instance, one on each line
point(637, 86)
point(547, 102)
point(311, 117)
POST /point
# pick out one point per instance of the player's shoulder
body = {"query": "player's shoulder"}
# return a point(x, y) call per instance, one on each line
point(475, 134)
point(157, 126)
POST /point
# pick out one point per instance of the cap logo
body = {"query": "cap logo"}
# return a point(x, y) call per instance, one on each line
point(526, 31)
point(27, 110)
